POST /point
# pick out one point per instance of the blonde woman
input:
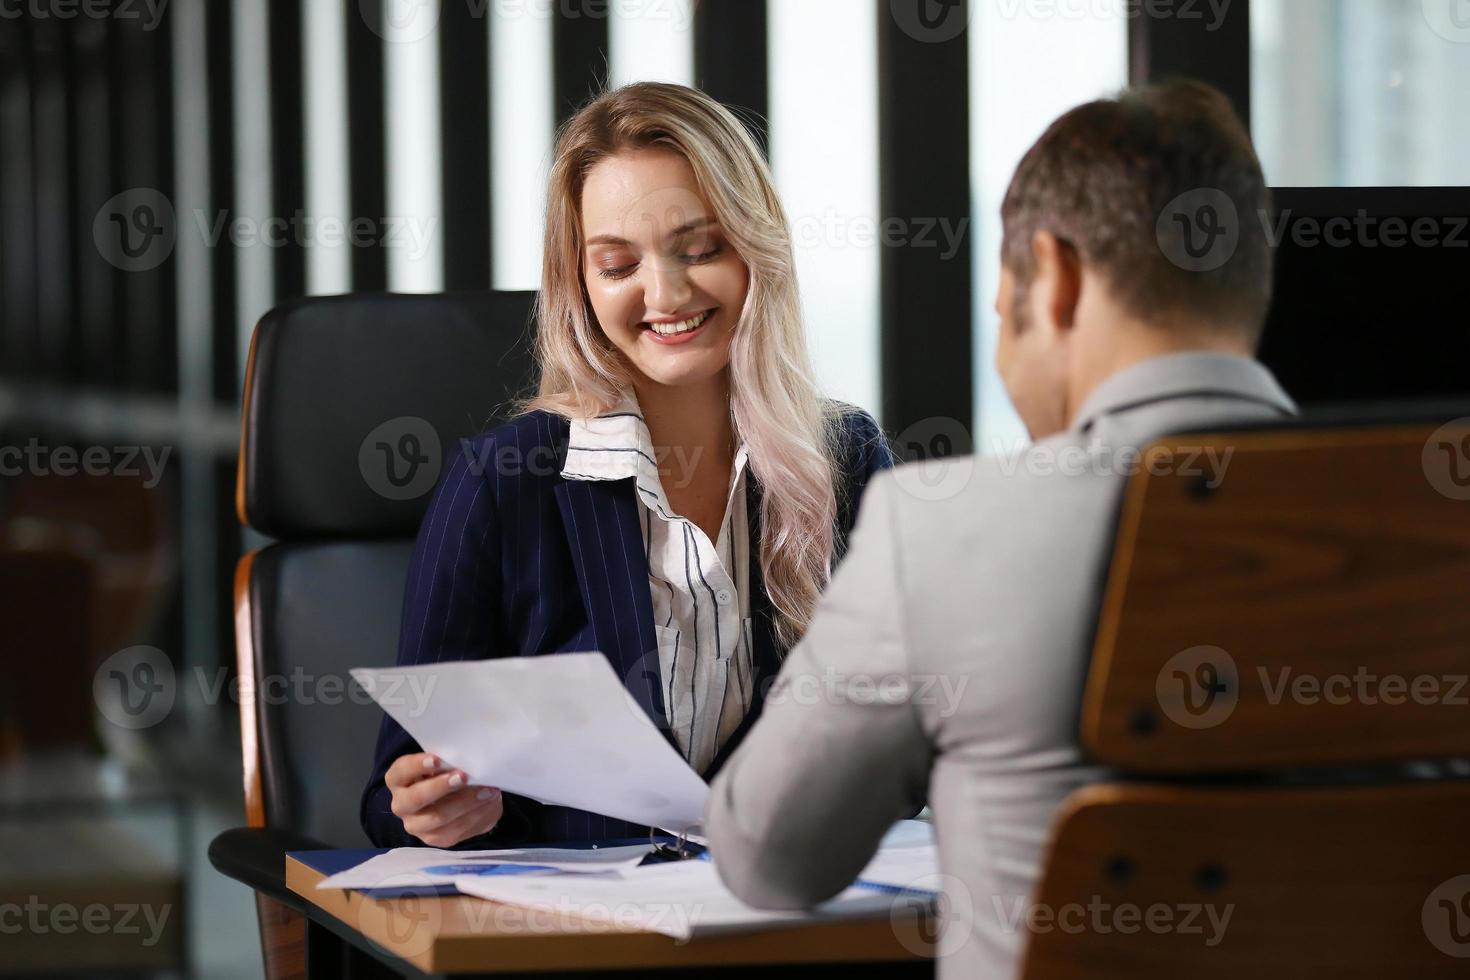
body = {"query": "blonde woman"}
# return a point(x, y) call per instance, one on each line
point(676, 493)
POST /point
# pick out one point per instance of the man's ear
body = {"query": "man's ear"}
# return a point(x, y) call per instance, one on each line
point(1057, 285)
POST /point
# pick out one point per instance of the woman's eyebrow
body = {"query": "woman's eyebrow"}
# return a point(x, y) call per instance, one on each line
point(683, 229)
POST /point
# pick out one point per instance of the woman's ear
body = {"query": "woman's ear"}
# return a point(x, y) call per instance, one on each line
point(1057, 284)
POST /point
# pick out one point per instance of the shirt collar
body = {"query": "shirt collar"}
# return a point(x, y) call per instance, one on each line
point(1182, 375)
point(612, 446)
point(616, 445)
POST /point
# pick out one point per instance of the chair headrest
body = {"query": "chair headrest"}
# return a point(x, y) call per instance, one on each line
point(353, 403)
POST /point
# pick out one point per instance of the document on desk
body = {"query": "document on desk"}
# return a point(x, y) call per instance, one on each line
point(684, 899)
point(560, 729)
point(423, 866)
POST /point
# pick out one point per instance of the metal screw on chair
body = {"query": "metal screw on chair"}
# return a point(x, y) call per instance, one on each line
point(1119, 869)
point(1200, 489)
point(1210, 878)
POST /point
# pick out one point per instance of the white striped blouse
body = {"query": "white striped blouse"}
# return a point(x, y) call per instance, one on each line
point(699, 588)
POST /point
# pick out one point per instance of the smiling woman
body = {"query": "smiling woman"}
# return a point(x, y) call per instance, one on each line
point(702, 489)
point(674, 280)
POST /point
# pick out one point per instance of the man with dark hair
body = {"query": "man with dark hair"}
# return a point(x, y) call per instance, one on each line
point(946, 661)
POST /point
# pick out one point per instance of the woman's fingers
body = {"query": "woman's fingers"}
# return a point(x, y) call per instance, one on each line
point(409, 800)
point(450, 808)
point(481, 816)
point(409, 769)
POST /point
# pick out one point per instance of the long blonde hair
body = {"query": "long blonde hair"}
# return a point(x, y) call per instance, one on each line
point(775, 407)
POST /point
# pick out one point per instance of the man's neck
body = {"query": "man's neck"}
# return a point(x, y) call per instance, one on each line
point(1133, 343)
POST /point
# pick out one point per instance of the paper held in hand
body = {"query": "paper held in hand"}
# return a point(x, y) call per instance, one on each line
point(560, 729)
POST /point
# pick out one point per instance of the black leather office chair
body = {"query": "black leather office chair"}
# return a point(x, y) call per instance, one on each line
point(352, 406)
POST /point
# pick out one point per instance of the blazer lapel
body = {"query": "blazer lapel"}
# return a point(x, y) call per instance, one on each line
point(602, 527)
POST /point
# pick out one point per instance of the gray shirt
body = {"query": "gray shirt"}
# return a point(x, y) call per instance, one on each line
point(946, 663)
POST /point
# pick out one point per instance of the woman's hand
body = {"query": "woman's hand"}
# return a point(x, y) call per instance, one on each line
point(436, 805)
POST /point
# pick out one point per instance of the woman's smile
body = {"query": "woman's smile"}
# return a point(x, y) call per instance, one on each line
point(677, 332)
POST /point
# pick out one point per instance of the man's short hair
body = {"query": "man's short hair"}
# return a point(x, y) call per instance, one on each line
point(1161, 191)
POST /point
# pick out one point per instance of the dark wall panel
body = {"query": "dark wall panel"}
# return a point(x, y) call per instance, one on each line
point(924, 179)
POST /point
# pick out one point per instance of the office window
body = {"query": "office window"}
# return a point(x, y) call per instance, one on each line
point(522, 120)
point(413, 231)
point(255, 278)
point(651, 41)
point(1352, 93)
point(328, 195)
point(824, 151)
point(1028, 65)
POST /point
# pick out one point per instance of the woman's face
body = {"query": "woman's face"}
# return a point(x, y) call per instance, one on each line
point(665, 284)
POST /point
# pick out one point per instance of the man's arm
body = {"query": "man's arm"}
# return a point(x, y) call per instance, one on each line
point(838, 754)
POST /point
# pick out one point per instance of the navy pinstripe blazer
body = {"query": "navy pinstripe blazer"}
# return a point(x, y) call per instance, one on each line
point(513, 560)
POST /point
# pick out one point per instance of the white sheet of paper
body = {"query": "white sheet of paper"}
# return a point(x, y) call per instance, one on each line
point(413, 866)
point(684, 899)
point(559, 728)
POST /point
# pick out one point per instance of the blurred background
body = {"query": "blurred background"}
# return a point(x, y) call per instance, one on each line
point(172, 169)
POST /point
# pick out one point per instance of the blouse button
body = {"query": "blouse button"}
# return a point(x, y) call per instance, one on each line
point(724, 596)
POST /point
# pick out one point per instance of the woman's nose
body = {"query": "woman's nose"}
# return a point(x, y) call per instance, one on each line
point(668, 287)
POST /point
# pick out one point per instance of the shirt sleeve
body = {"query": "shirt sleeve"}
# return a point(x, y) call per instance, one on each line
point(839, 753)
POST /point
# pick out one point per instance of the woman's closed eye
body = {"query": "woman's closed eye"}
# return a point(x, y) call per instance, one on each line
point(624, 271)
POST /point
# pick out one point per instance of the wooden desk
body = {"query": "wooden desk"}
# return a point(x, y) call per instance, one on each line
point(458, 934)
